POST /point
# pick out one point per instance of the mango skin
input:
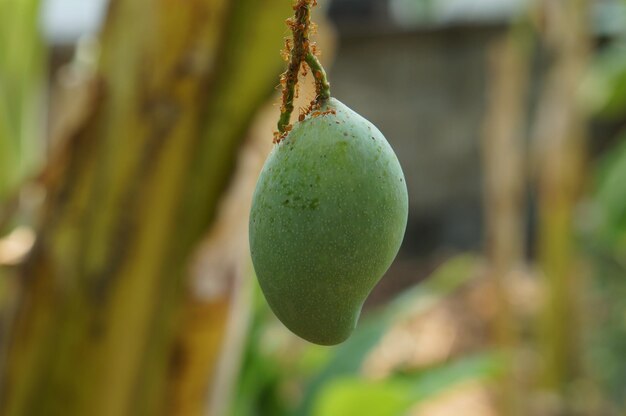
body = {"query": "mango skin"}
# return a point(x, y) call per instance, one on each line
point(328, 216)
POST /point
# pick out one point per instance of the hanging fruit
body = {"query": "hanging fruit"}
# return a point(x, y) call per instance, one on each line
point(329, 210)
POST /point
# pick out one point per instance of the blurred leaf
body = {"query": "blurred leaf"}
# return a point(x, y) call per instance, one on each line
point(350, 355)
point(485, 366)
point(261, 373)
point(268, 369)
point(352, 396)
point(21, 88)
point(607, 247)
point(604, 89)
point(611, 198)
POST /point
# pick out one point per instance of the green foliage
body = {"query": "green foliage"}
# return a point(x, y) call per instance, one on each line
point(604, 90)
point(610, 198)
point(608, 249)
point(21, 86)
point(349, 356)
point(606, 240)
point(353, 396)
point(272, 366)
point(284, 376)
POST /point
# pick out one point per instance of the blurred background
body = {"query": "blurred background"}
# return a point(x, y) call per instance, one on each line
point(131, 136)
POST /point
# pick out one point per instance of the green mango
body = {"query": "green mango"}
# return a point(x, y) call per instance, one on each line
point(328, 216)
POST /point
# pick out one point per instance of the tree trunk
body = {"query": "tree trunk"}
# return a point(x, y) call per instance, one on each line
point(559, 143)
point(130, 195)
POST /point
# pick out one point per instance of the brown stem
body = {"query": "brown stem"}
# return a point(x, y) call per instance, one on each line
point(299, 52)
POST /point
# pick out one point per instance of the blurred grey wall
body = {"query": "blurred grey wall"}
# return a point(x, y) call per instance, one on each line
point(418, 70)
point(425, 91)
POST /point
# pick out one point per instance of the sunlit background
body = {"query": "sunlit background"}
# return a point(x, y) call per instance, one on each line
point(507, 296)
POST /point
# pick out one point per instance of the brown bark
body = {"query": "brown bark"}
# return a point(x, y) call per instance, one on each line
point(503, 162)
point(128, 198)
point(559, 143)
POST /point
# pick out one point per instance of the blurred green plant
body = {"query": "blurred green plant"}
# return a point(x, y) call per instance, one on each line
point(610, 198)
point(605, 239)
point(354, 396)
point(284, 376)
point(604, 90)
point(608, 251)
point(21, 91)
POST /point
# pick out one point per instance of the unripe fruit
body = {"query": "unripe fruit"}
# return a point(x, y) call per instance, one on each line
point(328, 216)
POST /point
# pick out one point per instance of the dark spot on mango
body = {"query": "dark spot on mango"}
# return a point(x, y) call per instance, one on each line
point(314, 203)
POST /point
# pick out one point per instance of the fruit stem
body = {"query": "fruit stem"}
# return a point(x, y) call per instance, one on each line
point(300, 52)
point(322, 86)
